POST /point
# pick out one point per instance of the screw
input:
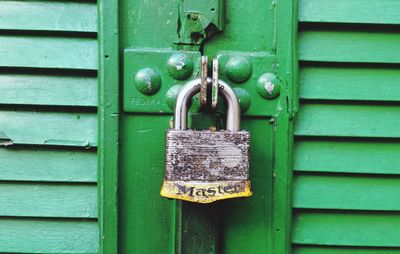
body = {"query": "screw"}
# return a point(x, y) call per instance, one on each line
point(180, 66)
point(238, 69)
point(147, 81)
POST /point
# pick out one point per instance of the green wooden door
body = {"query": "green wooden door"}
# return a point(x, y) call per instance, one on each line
point(346, 158)
point(258, 35)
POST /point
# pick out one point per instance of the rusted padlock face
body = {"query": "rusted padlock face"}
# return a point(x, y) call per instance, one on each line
point(207, 156)
point(205, 166)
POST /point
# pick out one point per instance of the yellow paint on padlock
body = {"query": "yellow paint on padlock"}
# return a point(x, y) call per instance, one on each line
point(205, 191)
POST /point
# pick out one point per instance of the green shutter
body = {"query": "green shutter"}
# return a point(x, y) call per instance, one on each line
point(347, 155)
point(48, 127)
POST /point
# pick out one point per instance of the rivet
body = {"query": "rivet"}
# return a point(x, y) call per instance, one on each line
point(180, 66)
point(243, 97)
point(147, 81)
point(171, 95)
point(238, 69)
point(268, 85)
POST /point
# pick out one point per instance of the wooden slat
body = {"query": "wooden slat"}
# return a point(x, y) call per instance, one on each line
point(353, 192)
point(48, 16)
point(51, 128)
point(350, 83)
point(347, 229)
point(369, 46)
point(48, 90)
point(353, 156)
point(48, 236)
point(48, 52)
point(348, 120)
point(47, 165)
point(343, 250)
point(350, 11)
point(48, 200)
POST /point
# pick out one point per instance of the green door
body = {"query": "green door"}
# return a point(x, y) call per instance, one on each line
point(253, 42)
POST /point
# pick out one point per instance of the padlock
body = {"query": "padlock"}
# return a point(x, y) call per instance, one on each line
point(204, 166)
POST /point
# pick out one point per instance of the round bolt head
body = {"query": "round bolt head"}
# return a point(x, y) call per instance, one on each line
point(243, 97)
point(148, 81)
point(171, 95)
point(268, 85)
point(238, 69)
point(180, 66)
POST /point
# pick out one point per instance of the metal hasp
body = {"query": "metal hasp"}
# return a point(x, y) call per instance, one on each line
point(199, 20)
point(206, 166)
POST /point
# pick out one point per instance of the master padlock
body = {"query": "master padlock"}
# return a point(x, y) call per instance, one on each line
point(204, 166)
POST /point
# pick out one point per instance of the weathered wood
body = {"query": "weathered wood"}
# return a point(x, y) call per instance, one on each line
point(48, 16)
point(348, 120)
point(342, 82)
point(41, 89)
point(48, 52)
point(358, 45)
point(207, 155)
point(48, 200)
point(355, 156)
point(350, 11)
point(48, 128)
point(48, 236)
point(352, 192)
point(347, 228)
point(47, 164)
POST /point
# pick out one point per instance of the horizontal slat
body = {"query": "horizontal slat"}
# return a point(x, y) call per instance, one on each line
point(48, 90)
point(41, 164)
point(48, 16)
point(347, 229)
point(352, 192)
point(48, 236)
point(350, 11)
point(350, 83)
point(343, 250)
point(48, 52)
point(51, 128)
point(355, 156)
point(48, 200)
point(348, 120)
point(369, 46)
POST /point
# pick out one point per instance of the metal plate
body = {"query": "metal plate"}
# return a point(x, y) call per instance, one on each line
point(137, 59)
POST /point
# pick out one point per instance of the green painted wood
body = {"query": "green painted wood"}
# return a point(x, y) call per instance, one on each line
point(347, 228)
point(49, 128)
point(47, 164)
point(350, 156)
point(48, 236)
point(144, 215)
point(348, 192)
point(48, 200)
point(350, 11)
point(108, 122)
point(287, 72)
point(246, 224)
point(48, 52)
point(358, 45)
point(49, 89)
point(350, 83)
point(348, 120)
point(343, 250)
point(48, 16)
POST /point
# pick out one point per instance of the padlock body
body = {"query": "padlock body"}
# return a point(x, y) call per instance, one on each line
point(204, 166)
point(207, 155)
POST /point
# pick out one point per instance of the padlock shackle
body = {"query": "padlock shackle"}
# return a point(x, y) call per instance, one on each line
point(193, 87)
